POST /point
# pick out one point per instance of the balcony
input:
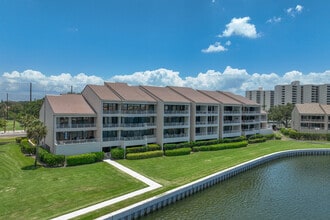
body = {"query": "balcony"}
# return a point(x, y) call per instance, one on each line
point(175, 124)
point(175, 135)
point(110, 139)
point(110, 125)
point(312, 120)
point(111, 112)
point(79, 141)
point(250, 121)
point(250, 112)
point(137, 125)
point(82, 125)
point(201, 112)
point(232, 121)
point(140, 112)
point(206, 133)
point(135, 138)
point(232, 112)
point(176, 112)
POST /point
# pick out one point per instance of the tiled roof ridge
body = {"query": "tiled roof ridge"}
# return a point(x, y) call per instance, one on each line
point(143, 88)
point(223, 93)
point(201, 91)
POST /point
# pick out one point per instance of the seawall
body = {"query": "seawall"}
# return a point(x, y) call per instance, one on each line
point(150, 205)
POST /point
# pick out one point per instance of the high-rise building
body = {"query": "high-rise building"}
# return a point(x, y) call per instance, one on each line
point(263, 97)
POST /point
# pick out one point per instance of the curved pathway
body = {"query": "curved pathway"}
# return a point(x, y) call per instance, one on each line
point(151, 186)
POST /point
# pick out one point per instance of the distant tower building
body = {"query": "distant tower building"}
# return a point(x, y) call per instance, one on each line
point(300, 94)
point(263, 97)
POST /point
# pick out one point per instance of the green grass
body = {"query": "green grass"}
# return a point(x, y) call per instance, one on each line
point(172, 172)
point(28, 193)
point(10, 126)
point(42, 193)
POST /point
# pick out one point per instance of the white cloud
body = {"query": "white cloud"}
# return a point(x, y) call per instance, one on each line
point(236, 80)
point(294, 11)
point(228, 43)
point(240, 27)
point(215, 48)
point(274, 20)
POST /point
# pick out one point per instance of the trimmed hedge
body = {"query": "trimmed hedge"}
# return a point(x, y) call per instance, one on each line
point(232, 140)
point(178, 145)
point(204, 143)
point(305, 136)
point(26, 147)
point(153, 147)
point(83, 158)
point(144, 155)
point(178, 152)
point(117, 153)
point(136, 149)
point(221, 146)
point(257, 140)
point(50, 159)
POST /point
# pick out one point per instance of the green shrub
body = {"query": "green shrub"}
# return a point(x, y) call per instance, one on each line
point(270, 136)
point(18, 140)
point(170, 146)
point(257, 140)
point(221, 146)
point(99, 156)
point(50, 159)
point(178, 151)
point(204, 143)
point(84, 158)
point(136, 149)
point(144, 155)
point(278, 136)
point(232, 140)
point(153, 147)
point(117, 153)
point(177, 145)
point(26, 147)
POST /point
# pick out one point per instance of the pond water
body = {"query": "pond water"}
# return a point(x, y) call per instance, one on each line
point(288, 188)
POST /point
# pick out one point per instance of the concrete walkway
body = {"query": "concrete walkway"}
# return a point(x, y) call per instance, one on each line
point(17, 133)
point(151, 186)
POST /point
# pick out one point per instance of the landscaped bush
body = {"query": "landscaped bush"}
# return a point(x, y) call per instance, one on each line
point(204, 143)
point(50, 159)
point(257, 140)
point(270, 136)
point(232, 140)
point(153, 147)
point(83, 159)
point(178, 151)
point(18, 140)
point(144, 155)
point(170, 146)
point(278, 136)
point(177, 145)
point(99, 156)
point(117, 153)
point(221, 146)
point(26, 147)
point(136, 149)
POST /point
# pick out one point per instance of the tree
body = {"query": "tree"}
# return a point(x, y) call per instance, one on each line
point(281, 114)
point(36, 131)
point(26, 121)
point(3, 124)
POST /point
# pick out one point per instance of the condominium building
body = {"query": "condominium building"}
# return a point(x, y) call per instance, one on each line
point(119, 115)
point(311, 117)
point(263, 97)
point(299, 94)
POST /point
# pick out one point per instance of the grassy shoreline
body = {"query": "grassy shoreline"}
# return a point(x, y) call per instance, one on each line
point(43, 193)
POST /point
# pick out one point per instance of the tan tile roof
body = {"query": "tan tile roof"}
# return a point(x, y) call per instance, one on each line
point(326, 108)
point(104, 93)
point(165, 94)
point(69, 104)
point(130, 93)
point(239, 98)
point(193, 95)
point(220, 97)
point(309, 108)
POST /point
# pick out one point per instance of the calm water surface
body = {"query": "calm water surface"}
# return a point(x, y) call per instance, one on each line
point(289, 188)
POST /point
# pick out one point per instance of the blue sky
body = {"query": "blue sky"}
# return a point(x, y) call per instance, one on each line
point(211, 44)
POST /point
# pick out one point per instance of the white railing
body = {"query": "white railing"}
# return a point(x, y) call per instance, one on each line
point(83, 125)
point(176, 112)
point(231, 121)
point(232, 112)
point(175, 135)
point(79, 141)
point(110, 139)
point(175, 123)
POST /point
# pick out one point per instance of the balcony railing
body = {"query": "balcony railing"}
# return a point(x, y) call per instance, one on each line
point(135, 125)
point(201, 122)
point(176, 112)
point(138, 111)
point(231, 131)
point(111, 111)
point(80, 141)
point(206, 133)
point(232, 112)
point(312, 120)
point(110, 139)
point(231, 121)
point(250, 112)
point(175, 135)
point(250, 121)
point(175, 123)
point(82, 125)
point(110, 125)
point(134, 138)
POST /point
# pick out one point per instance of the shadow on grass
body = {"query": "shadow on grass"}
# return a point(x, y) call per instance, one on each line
point(31, 167)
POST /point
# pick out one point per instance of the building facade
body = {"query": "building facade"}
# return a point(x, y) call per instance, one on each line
point(263, 97)
point(119, 115)
point(311, 118)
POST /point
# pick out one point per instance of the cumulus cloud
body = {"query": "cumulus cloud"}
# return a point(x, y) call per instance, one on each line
point(274, 20)
point(293, 11)
point(215, 48)
point(230, 79)
point(240, 27)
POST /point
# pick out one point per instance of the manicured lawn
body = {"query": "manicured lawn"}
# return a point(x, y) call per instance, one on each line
point(175, 171)
point(10, 126)
point(42, 193)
